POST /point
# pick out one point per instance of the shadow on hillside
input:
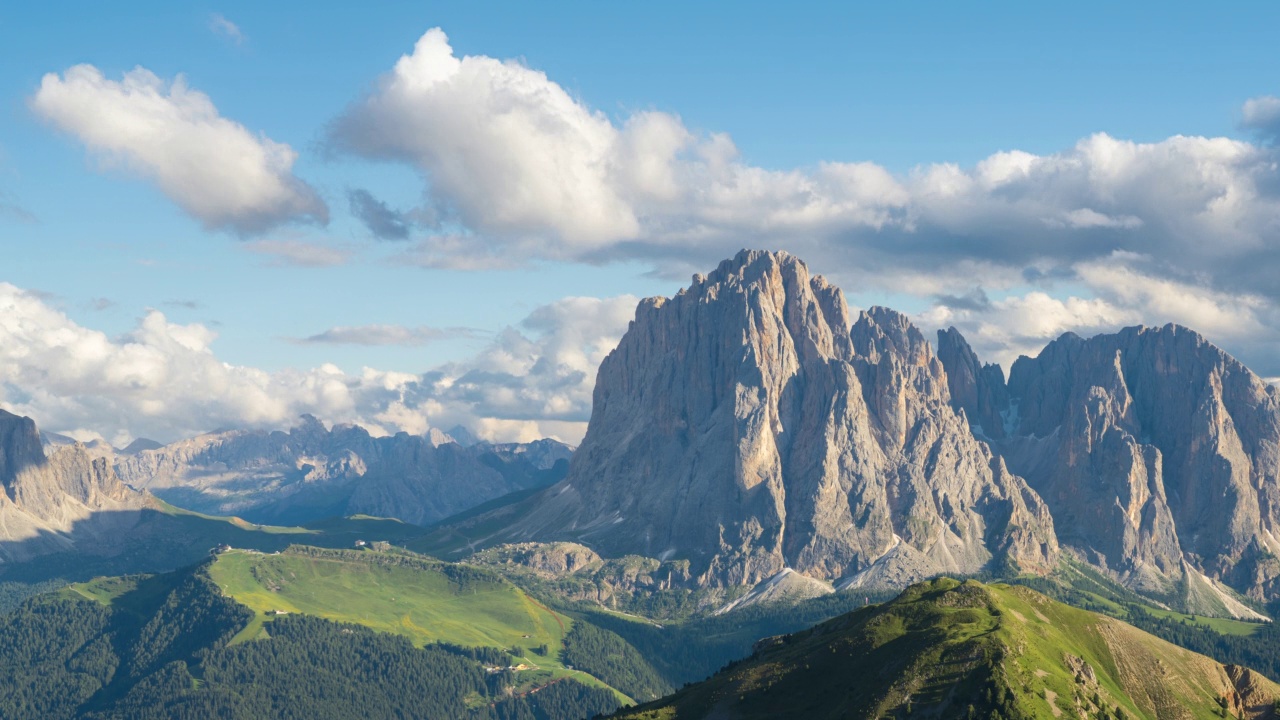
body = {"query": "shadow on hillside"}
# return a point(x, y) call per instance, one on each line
point(152, 541)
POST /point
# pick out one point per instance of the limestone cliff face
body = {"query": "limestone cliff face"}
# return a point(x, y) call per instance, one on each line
point(67, 500)
point(749, 425)
point(1157, 453)
point(312, 472)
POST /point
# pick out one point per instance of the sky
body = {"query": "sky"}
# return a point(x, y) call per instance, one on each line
point(424, 214)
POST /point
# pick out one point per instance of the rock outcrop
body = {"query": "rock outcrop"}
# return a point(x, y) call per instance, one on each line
point(749, 425)
point(313, 472)
point(1157, 452)
point(69, 499)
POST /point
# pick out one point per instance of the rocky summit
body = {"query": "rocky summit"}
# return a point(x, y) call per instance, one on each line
point(751, 425)
point(1157, 453)
point(68, 499)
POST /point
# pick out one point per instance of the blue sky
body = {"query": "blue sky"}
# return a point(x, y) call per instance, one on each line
point(845, 122)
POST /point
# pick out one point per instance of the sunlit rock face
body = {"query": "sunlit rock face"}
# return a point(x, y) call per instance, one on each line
point(750, 424)
point(1156, 451)
point(70, 499)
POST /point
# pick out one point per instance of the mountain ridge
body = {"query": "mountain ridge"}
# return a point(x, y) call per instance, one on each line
point(947, 649)
point(752, 425)
point(313, 471)
point(1155, 450)
point(761, 409)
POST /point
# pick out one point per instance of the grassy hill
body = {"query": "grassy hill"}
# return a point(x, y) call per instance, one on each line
point(947, 649)
point(422, 599)
point(367, 634)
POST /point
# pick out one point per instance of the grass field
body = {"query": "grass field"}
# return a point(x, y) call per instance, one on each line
point(423, 601)
point(1224, 626)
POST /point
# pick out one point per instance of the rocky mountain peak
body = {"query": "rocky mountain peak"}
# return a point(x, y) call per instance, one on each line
point(748, 425)
point(20, 446)
point(52, 502)
point(882, 331)
point(976, 388)
point(1156, 451)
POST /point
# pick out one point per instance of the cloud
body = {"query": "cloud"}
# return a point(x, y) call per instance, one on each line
point(388, 335)
point(382, 221)
point(530, 170)
point(101, 303)
point(539, 375)
point(298, 253)
point(163, 380)
point(212, 167)
point(1121, 290)
point(1262, 115)
point(183, 304)
point(517, 169)
point(224, 28)
point(455, 252)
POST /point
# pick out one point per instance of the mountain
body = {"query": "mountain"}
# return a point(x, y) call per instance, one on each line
point(749, 425)
point(68, 499)
point(312, 472)
point(1157, 453)
point(947, 649)
point(140, 444)
point(66, 516)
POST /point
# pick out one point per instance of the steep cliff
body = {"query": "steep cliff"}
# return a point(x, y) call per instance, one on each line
point(67, 500)
point(1158, 454)
point(749, 425)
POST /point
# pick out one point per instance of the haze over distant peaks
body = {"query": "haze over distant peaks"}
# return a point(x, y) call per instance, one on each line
point(311, 472)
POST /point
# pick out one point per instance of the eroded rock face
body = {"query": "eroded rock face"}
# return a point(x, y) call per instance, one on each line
point(749, 425)
point(313, 472)
point(67, 500)
point(1155, 450)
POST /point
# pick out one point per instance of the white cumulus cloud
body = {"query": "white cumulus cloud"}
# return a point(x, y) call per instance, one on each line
point(1110, 294)
point(214, 168)
point(164, 381)
point(516, 168)
point(516, 159)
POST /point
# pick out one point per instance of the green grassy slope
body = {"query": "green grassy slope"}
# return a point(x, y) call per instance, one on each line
point(948, 649)
point(419, 598)
point(157, 647)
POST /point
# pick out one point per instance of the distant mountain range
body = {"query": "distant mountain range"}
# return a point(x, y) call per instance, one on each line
point(313, 472)
point(753, 427)
point(66, 512)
